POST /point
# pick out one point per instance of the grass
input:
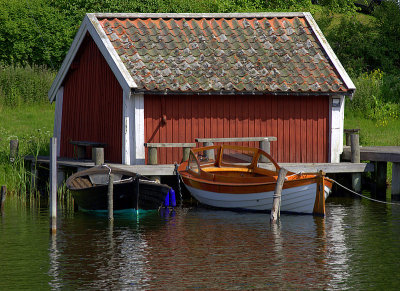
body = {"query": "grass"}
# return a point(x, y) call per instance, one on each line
point(32, 125)
point(372, 133)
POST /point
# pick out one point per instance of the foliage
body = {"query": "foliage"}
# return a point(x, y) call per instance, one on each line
point(339, 6)
point(366, 45)
point(24, 85)
point(40, 32)
point(375, 99)
point(351, 41)
point(386, 44)
point(32, 32)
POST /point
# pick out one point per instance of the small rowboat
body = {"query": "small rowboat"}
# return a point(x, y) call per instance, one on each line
point(235, 177)
point(130, 190)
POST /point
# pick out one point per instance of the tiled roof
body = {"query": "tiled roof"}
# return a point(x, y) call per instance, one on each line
point(268, 54)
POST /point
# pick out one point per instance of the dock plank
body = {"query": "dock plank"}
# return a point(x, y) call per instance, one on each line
point(378, 153)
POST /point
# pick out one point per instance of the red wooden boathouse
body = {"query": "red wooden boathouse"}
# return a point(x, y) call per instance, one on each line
point(134, 78)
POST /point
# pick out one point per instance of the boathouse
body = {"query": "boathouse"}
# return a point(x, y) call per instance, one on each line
point(130, 79)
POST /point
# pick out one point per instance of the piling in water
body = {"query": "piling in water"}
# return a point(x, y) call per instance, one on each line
point(3, 194)
point(355, 158)
point(110, 194)
point(53, 183)
point(275, 211)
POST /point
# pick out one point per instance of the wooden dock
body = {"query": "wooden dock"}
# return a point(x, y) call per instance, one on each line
point(168, 170)
point(380, 156)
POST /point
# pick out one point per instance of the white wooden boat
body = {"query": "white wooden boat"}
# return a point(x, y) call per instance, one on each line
point(236, 177)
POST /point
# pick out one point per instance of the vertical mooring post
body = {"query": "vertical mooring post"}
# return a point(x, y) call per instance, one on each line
point(3, 193)
point(110, 196)
point(396, 181)
point(13, 150)
point(276, 204)
point(355, 158)
point(53, 184)
point(33, 176)
point(380, 179)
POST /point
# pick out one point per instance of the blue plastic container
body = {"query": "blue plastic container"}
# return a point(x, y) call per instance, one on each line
point(172, 199)
point(166, 200)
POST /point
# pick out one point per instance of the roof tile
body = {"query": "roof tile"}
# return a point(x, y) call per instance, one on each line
point(230, 54)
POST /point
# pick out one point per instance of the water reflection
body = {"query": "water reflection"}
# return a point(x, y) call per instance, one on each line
point(355, 246)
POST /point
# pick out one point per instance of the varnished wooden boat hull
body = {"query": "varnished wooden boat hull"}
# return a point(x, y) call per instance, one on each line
point(235, 177)
point(300, 199)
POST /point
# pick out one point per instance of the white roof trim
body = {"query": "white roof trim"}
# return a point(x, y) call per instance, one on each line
point(327, 48)
point(76, 43)
point(90, 24)
point(199, 15)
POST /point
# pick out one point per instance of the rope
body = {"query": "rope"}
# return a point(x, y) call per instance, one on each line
point(106, 166)
point(179, 183)
point(363, 196)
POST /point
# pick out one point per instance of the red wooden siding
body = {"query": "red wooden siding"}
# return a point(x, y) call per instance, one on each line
point(92, 104)
point(299, 122)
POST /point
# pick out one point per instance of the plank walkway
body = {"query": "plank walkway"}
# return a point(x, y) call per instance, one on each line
point(377, 153)
point(168, 170)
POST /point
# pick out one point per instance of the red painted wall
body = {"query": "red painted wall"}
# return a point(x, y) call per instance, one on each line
point(92, 104)
point(299, 122)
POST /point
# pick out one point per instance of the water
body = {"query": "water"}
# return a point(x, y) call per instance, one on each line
point(357, 246)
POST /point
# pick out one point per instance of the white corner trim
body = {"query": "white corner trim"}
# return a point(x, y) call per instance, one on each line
point(336, 116)
point(90, 24)
point(128, 118)
point(138, 100)
point(58, 117)
point(133, 129)
point(331, 54)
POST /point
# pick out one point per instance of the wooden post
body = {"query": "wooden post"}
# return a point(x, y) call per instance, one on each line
point(380, 178)
point(348, 140)
point(98, 155)
point(275, 211)
point(3, 194)
point(186, 152)
point(33, 176)
point(153, 156)
point(209, 153)
point(355, 158)
point(110, 196)
point(396, 180)
point(53, 183)
point(153, 161)
point(13, 150)
point(265, 146)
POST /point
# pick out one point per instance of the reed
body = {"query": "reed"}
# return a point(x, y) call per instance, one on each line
point(32, 126)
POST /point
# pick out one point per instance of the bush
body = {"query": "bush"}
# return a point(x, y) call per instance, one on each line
point(375, 97)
